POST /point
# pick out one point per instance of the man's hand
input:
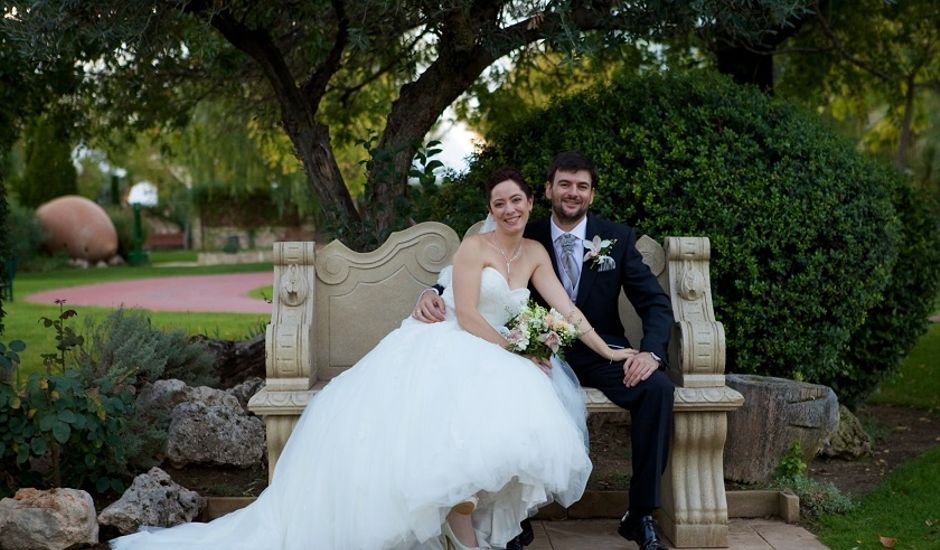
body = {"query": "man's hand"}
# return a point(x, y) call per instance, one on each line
point(430, 307)
point(638, 368)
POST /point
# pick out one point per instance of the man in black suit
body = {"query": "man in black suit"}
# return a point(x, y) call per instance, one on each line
point(640, 384)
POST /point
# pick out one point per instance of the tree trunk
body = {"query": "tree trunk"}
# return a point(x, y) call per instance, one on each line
point(747, 67)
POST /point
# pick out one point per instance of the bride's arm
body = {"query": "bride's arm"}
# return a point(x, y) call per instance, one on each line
point(468, 270)
point(546, 282)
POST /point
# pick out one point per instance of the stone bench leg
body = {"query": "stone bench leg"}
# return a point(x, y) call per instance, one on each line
point(695, 509)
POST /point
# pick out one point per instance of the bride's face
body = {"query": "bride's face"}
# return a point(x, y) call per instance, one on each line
point(510, 206)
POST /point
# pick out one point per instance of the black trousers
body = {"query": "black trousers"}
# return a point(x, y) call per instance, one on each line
point(650, 405)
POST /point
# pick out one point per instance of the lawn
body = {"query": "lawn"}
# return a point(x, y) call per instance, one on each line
point(917, 381)
point(22, 320)
point(905, 510)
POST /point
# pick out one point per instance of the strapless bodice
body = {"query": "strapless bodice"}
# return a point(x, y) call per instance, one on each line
point(498, 303)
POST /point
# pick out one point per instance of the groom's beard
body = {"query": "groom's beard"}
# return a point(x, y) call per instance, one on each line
point(566, 218)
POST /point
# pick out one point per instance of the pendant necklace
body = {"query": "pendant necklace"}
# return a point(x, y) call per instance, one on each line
point(506, 259)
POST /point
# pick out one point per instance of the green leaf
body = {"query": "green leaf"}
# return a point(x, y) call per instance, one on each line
point(15, 402)
point(39, 445)
point(102, 484)
point(68, 417)
point(61, 432)
point(47, 422)
point(17, 345)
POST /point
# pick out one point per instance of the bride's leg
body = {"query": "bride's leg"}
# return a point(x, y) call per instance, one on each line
point(461, 523)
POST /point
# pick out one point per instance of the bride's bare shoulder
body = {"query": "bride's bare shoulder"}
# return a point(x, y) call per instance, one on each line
point(533, 246)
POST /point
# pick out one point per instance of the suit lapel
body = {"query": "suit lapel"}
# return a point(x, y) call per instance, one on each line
point(588, 273)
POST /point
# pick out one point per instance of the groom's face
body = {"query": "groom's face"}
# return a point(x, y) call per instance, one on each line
point(571, 193)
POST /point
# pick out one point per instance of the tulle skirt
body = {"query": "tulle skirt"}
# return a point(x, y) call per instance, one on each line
point(430, 417)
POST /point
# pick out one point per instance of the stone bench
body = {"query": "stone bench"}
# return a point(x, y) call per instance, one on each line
point(332, 305)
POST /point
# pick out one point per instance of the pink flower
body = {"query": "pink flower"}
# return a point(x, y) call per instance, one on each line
point(551, 340)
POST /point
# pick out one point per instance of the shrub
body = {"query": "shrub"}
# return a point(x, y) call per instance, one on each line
point(123, 220)
point(25, 234)
point(816, 497)
point(61, 429)
point(804, 236)
point(126, 344)
point(893, 327)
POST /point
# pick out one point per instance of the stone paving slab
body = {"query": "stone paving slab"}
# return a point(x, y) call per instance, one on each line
point(601, 534)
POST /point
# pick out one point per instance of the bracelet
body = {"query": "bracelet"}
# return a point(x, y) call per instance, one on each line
point(588, 331)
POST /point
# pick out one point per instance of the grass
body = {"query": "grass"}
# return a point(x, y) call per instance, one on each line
point(262, 292)
point(22, 320)
point(168, 256)
point(917, 381)
point(906, 507)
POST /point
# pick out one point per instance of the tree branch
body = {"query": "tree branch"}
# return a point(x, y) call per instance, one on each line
point(315, 85)
point(827, 30)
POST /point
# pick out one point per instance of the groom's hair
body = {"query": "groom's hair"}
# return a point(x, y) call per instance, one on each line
point(572, 161)
point(503, 174)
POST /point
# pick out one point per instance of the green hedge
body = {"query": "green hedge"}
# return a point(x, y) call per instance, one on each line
point(805, 237)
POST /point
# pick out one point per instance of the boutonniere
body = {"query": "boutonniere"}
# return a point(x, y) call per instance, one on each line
point(599, 251)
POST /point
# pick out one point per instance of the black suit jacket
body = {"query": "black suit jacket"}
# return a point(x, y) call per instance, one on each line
point(599, 292)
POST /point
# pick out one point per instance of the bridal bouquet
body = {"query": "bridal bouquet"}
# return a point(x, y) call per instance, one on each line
point(538, 332)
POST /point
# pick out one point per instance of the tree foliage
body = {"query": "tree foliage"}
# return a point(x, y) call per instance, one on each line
point(310, 64)
point(49, 170)
point(819, 256)
point(24, 91)
point(859, 58)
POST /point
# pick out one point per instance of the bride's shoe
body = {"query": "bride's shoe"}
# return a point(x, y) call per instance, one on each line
point(451, 542)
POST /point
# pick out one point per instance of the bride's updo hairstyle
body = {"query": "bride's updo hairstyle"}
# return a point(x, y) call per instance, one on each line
point(501, 175)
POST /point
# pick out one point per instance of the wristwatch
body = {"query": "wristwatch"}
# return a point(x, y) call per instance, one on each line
point(656, 358)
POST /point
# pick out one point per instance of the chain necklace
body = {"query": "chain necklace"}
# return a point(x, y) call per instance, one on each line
point(506, 259)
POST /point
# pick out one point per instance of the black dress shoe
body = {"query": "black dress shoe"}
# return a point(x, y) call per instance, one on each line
point(524, 538)
point(642, 531)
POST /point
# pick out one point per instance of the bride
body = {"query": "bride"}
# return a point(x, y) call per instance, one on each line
point(439, 437)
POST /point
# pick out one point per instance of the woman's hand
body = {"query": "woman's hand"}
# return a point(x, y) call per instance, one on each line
point(617, 355)
point(545, 365)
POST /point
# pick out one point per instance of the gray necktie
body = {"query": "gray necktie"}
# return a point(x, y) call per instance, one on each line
point(570, 263)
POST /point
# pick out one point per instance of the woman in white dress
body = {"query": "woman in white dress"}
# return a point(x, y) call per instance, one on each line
point(439, 437)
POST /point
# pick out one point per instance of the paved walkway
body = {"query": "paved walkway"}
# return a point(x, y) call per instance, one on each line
point(204, 293)
point(744, 534)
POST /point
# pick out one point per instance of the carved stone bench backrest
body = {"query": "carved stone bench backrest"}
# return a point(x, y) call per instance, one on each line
point(361, 297)
point(358, 298)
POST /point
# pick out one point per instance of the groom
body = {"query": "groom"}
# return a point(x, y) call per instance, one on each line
point(640, 384)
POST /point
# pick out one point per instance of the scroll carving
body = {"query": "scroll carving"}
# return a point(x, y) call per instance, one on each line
point(653, 254)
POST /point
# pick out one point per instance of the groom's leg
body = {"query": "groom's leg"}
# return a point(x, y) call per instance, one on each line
point(650, 405)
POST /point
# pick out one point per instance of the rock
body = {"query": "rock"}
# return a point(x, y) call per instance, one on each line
point(849, 441)
point(101, 264)
point(776, 414)
point(47, 520)
point(212, 397)
point(220, 434)
point(78, 262)
point(171, 392)
point(153, 499)
point(80, 226)
point(245, 390)
point(116, 260)
point(162, 393)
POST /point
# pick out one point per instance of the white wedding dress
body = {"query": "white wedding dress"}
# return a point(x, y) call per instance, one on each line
point(429, 417)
